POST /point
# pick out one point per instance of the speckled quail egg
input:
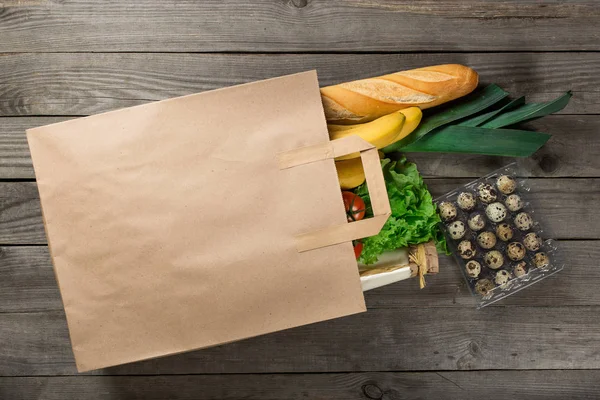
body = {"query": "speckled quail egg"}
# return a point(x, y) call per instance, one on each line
point(504, 232)
point(502, 277)
point(476, 222)
point(473, 269)
point(447, 211)
point(515, 251)
point(520, 269)
point(457, 230)
point(496, 212)
point(541, 259)
point(532, 241)
point(506, 184)
point(466, 249)
point(486, 193)
point(487, 240)
point(523, 221)
point(484, 286)
point(493, 259)
point(514, 202)
point(466, 201)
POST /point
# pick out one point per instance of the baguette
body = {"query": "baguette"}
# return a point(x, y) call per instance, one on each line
point(367, 99)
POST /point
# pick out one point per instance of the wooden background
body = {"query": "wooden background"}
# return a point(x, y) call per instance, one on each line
point(61, 59)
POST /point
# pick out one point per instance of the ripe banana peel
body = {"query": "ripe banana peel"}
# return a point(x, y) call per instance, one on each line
point(379, 133)
point(350, 173)
point(382, 132)
point(413, 116)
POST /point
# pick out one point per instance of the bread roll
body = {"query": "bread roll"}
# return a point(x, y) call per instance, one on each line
point(367, 99)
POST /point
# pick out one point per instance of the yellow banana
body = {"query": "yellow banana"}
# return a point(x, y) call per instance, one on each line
point(350, 173)
point(413, 119)
point(380, 133)
point(339, 128)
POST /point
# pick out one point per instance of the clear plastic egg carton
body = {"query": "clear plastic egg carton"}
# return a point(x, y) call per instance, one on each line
point(496, 236)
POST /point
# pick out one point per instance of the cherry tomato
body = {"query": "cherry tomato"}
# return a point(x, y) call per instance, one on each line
point(355, 206)
point(358, 248)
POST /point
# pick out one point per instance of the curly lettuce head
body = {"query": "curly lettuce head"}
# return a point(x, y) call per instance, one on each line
point(414, 219)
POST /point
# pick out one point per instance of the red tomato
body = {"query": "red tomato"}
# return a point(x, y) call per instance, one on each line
point(355, 206)
point(358, 248)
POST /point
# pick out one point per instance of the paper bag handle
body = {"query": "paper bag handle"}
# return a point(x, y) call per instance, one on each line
point(374, 176)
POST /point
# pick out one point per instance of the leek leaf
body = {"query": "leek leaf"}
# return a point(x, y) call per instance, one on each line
point(480, 119)
point(529, 111)
point(469, 105)
point(477, 140)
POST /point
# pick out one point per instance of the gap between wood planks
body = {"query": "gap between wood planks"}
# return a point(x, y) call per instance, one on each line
point(333, 52)
point(233, 374)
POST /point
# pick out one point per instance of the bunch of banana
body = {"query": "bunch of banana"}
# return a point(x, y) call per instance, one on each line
point(381, 133)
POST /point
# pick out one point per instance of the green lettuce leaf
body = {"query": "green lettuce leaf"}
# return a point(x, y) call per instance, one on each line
point(414, 218)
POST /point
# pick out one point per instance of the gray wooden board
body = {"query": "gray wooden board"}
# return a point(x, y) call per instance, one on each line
point(551, 325)
point(403, 339)
point(572, 152)
point(473, 385)
point(89, 83)
point(569, 207)
point(28, 283)
point(297, 25)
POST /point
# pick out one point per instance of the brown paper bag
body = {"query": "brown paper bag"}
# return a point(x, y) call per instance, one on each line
point(199, 220)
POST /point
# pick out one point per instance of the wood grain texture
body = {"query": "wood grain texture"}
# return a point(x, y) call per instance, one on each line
point(29, 285)
point(20, 214)
point(572, 151)
point(406, 339)
point(474, 385)
point(568, 206)
point(15, 159)
point(297, 25)
point(82, 84)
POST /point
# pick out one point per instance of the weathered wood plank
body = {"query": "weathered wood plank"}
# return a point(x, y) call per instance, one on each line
point(572, 151)
point(568, 206)
point(297, 25)
point(28, 283)
point(20, 214)
point(89, 83)
point(473, 385)
point(406, 339)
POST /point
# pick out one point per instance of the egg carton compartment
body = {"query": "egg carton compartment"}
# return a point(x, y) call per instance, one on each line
point(496, 237)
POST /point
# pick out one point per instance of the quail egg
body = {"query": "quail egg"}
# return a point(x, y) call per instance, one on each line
point(473, 269)
point(520, 269)
point(486, 193)
point(514, 202)
point(483, 286)
point(515, 251)
point(456, 230)
point(466, 249)
point(466, 201)
point(523, 221)
point(502, 277)
point(447, 211)
point(493, 259)
point(532, 241)
point(504, 232)
point(496, 212)
point(487, 240)
point(476, 222)
point(541, 259)
point(506, 184)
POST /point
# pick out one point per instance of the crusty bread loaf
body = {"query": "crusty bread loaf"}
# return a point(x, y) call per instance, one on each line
point(367, 99)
